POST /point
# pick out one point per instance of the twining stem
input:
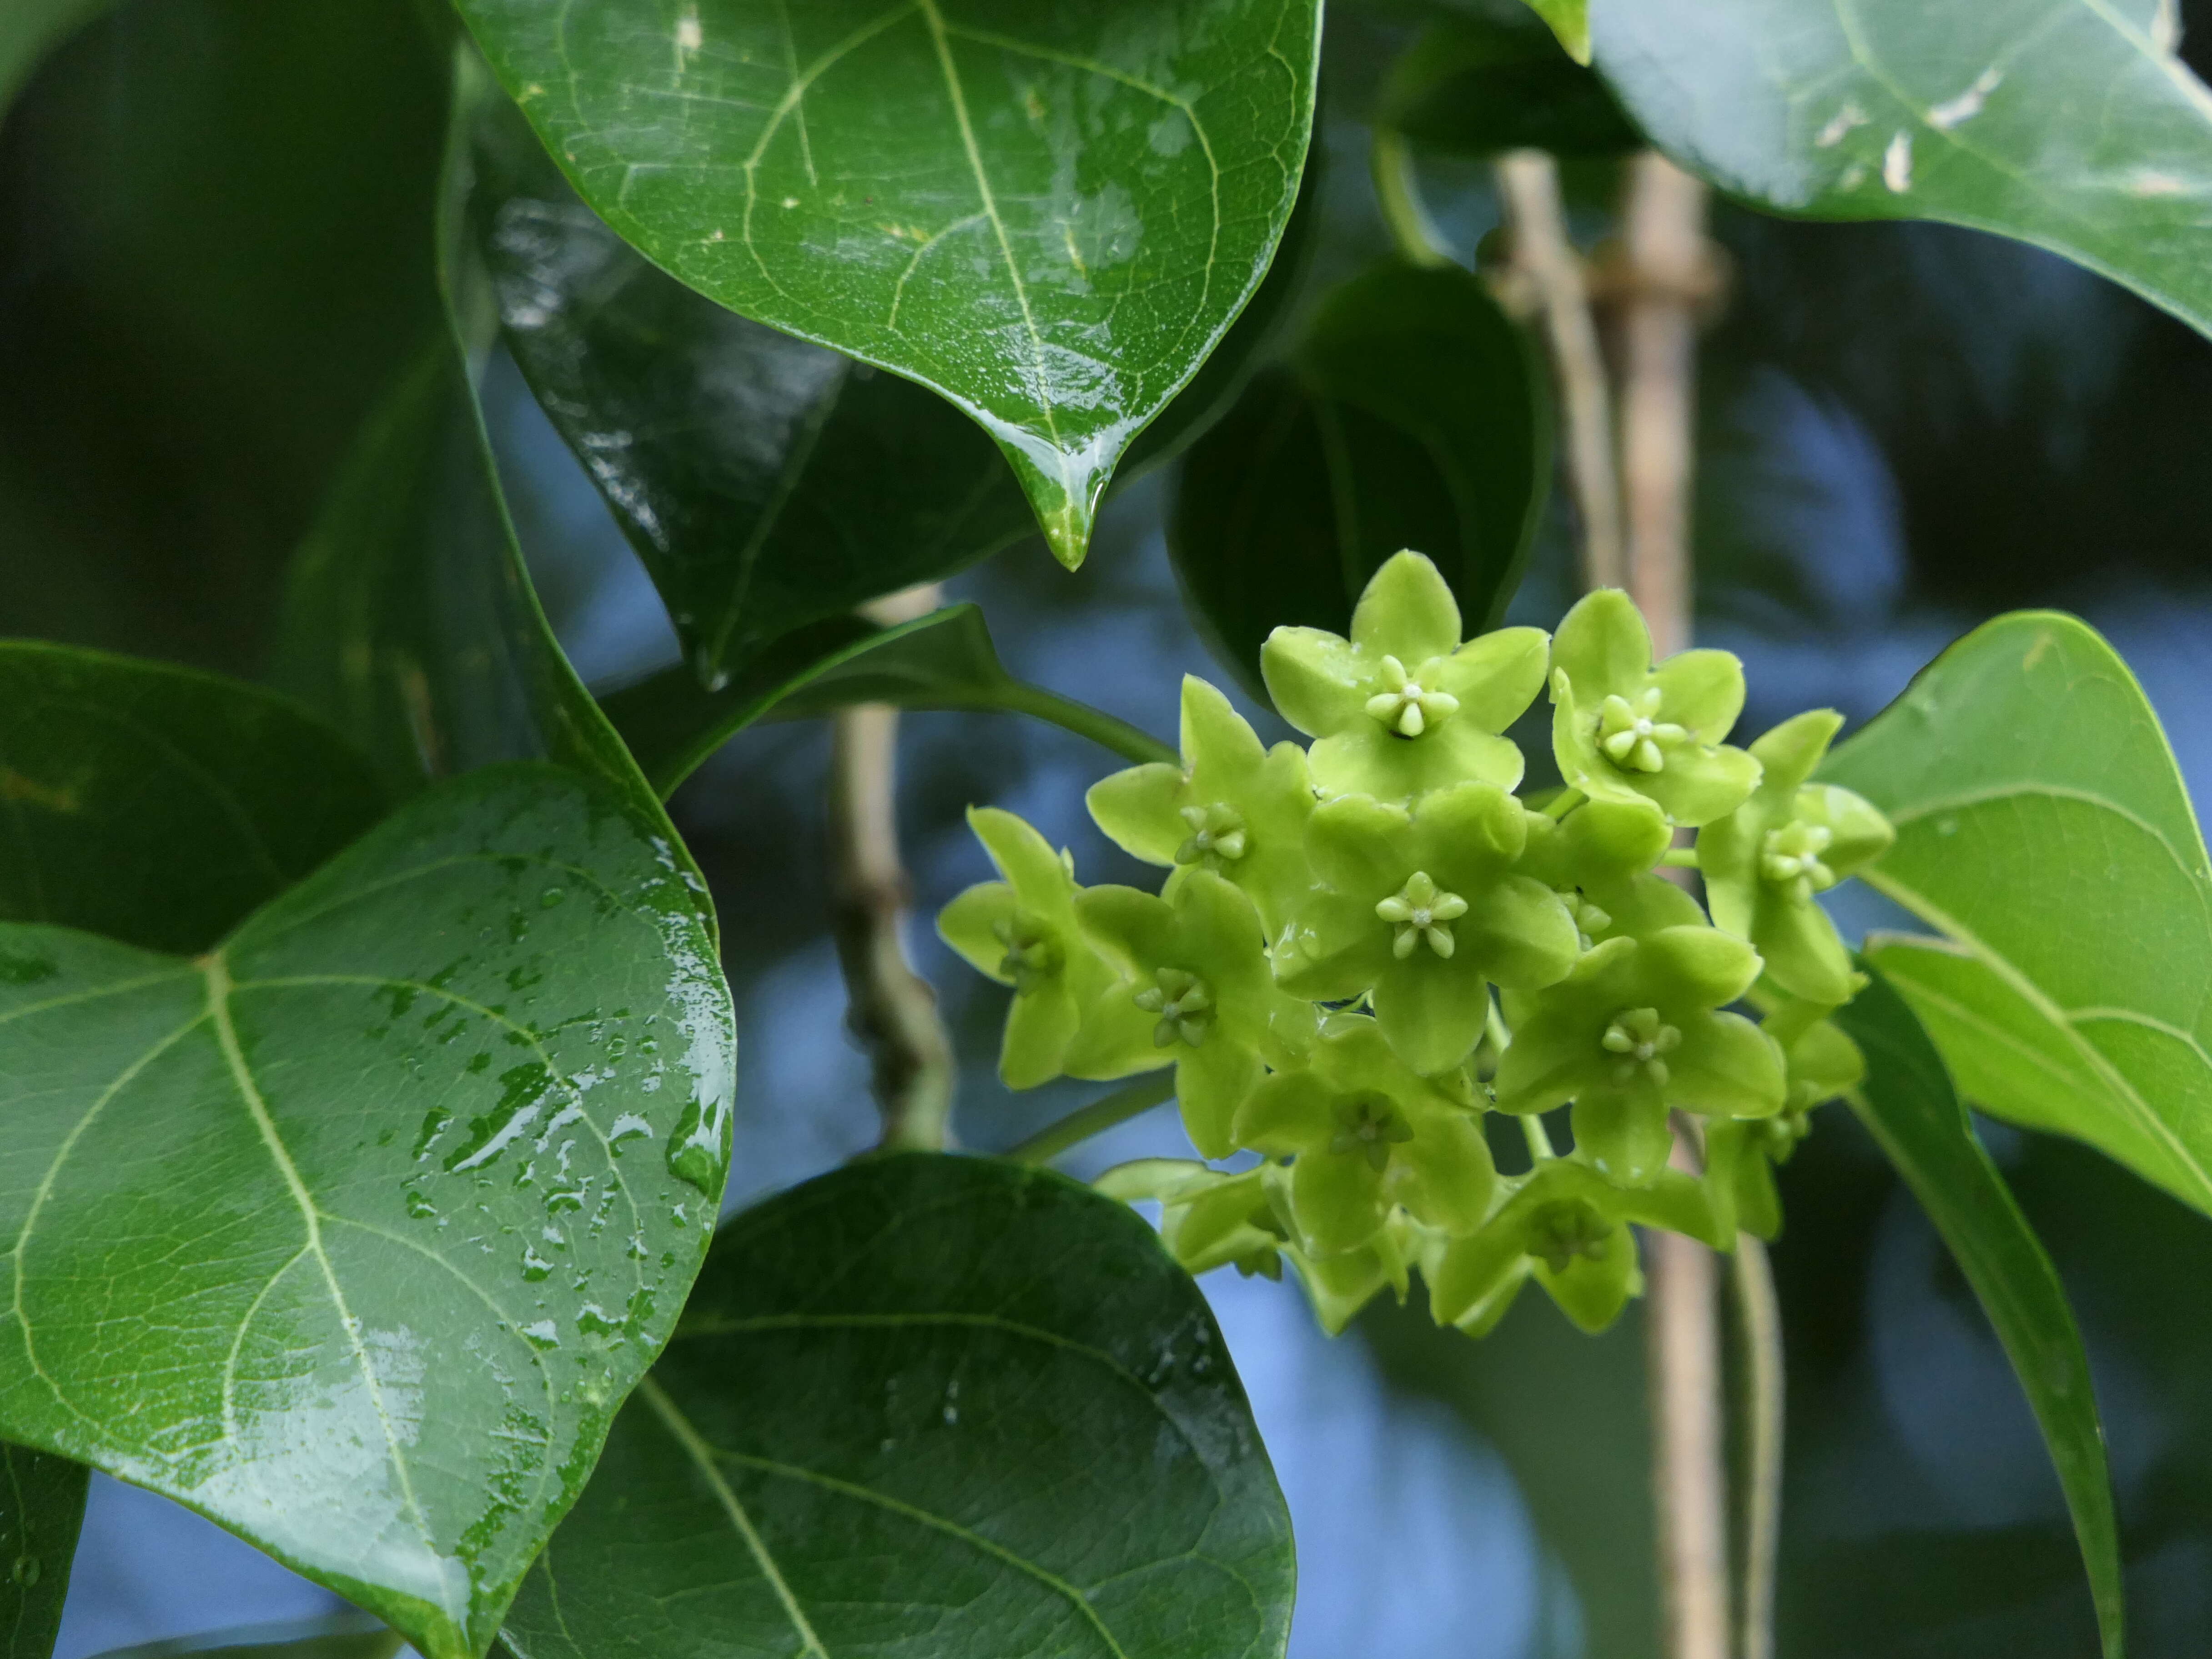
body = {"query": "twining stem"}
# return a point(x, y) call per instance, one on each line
point(1100, 1116)
point(891, 1008)
point(1398, 193)
point(1668, 273)
point(1665, 265)
point(1758, 1314)
point(1547, 273)
point(1102, 728)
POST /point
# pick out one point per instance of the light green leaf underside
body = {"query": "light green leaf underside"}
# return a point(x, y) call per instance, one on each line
point(2044, 829)
point(1909, 1105)
point(1048, 210)
point(880, 1429)
point(942, 660)
point(353, 1233)
point(2070, 124)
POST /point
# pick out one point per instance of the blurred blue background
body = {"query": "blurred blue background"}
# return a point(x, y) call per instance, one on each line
point(1905, 429)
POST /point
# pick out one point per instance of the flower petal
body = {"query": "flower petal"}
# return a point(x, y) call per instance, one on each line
point(1316, 681)
point(1408, 611)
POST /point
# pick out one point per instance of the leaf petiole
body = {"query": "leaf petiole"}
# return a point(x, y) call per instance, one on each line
point(1100, 1116)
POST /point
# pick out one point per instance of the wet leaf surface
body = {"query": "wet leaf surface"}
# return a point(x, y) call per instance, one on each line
point(353, 1233)
point(2070, 124)
point(1047, 211)
point(927, 1405)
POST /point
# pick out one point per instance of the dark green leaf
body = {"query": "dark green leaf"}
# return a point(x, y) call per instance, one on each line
point(41, 1507)
point(942, 660)
point(926, 1407)
point(1048, 211)
point(767, 482)
point(353, 1233)
point(1474, 85)
point(409, 616)
point(158, 805)
point(2070, 124)
point(1908, 1103)
point(1414, 415)
point(2044, 829)
point(31, 28)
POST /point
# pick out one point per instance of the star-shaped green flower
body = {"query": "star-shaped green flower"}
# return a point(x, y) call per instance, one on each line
point(1424, 910)
point(1632, 1031)
point(1561, 1224)
point(1402, 707)
point(1600, 858)
point(1232, 807)
point(1764, 862)
point(1194, 972)
point(1339, 1286)
point(1209, 1217)
point(1023, 931)
point(1367, 1134)
point(1623, 730)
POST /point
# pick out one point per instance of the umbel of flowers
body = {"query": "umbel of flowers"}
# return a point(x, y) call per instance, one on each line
point(1364, 947)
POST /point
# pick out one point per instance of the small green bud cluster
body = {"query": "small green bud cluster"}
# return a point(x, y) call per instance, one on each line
point(1363, 946)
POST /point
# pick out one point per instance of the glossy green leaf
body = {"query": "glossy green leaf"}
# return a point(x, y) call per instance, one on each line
point(942, 660)
point(881, 1429)
point(1048, 211)
point(2070, 124)
point(1414, 415)
point(1475, 86)
point(41, 1507)
point(2044, 830)
point(1908, 1103)
point(767, 482)
point(352, 1233)
point(157, 804)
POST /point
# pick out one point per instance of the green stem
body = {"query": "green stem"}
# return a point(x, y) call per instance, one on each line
point(1680, 858)
point(1100, 1116)
point(1564, 803)
point(1539, 1137)
point(1760, 1312)
point(1096, 724)
point(1398, 193)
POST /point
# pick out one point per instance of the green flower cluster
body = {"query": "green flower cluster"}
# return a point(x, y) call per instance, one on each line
point(1365, 946)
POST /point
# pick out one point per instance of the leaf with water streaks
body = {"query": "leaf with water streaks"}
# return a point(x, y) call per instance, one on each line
point(1048, 211)
point(927, 1405)
point(2044, 830)
point(1908, 1103)
point(353, 1233)
point(2068, 123)
point(158, 805)
point(41, 1507)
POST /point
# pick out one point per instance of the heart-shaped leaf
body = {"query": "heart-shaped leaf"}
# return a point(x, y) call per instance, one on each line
point(942, 660)
point(927, 1405)
point(352, 1233)
point(1908, 1103)
point(1414, 415)
point(766, 482)
point(1050, 212)
point(157, 805)
point(40, 1510)
point(2044, 829)
point(2070, 124)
